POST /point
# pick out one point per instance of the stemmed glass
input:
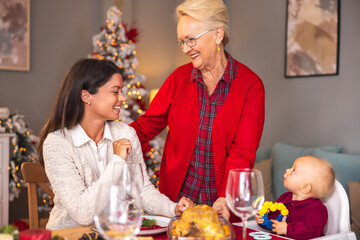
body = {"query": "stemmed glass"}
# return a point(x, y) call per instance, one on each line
point(245, 193)
point(118, 213)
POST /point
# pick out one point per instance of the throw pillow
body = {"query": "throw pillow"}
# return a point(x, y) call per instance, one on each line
point(346, 166)
point(265, 167)
point(284, 156)
point(354, 196)
point(263, 152)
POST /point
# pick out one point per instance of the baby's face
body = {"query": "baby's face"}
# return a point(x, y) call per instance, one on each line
point(297, 176)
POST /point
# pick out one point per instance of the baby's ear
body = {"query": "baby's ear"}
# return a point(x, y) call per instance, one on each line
point(306, 189)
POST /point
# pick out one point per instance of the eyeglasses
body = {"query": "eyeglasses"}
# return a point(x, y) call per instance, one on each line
point(191, 42)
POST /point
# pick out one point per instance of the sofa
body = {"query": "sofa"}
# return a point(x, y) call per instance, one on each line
point(275, 159)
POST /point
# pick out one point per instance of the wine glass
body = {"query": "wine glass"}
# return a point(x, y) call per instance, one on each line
point(118, 213)
point(245, 193)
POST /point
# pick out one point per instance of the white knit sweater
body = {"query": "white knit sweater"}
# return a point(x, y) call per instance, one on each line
point(71, 179)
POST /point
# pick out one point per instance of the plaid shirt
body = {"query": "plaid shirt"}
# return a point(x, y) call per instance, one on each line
point(199, 184)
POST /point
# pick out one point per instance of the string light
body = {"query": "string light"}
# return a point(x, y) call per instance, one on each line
point(115, 36)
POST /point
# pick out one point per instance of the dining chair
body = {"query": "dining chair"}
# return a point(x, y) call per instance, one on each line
point(338, 225)
point(33, 174)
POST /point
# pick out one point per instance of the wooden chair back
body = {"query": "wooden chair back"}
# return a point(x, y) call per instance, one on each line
point(34, 173)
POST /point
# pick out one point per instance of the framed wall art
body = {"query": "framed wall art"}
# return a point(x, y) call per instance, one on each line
point(312, 38)
point(15, 35)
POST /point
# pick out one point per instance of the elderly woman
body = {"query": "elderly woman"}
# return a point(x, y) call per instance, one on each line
point(214, 107)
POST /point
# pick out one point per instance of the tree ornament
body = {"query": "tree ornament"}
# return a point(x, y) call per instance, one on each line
point(116, 43)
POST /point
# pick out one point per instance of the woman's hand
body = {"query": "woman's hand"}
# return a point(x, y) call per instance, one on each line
point(122, 148)
point(221, 207)
point(280, 228)
point(258, 218)
point(182, 205)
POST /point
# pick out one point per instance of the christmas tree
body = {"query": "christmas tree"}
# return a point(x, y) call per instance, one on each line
point(22, 148)
point(117, 43)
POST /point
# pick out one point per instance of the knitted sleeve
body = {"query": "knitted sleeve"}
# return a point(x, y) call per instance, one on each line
point(153, 201)
point(67, 172)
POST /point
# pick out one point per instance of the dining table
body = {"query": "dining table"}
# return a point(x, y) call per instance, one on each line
point(77, 232)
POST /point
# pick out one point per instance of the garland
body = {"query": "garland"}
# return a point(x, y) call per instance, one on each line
point(23, 148)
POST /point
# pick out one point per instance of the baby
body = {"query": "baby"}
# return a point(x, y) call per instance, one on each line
point(309, 179)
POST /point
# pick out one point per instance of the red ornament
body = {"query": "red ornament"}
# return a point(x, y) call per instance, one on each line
point(141, 104)
point(131, 34)
point(21, 225)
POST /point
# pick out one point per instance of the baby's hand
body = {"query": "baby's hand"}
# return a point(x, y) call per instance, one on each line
point(182, 205)
point(258, 218)
point(280, 228)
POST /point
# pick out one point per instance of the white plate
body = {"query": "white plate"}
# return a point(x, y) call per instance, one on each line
point(161, 221)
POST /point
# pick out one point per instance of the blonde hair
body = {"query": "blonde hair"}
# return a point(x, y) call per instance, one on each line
point(322, 177)
point(212, 13)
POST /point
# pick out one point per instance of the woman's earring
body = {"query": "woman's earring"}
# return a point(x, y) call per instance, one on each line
point(218, 48)
point(88, 103)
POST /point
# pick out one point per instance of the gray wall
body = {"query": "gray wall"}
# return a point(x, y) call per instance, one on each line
point(304, 111)
point(61, 33)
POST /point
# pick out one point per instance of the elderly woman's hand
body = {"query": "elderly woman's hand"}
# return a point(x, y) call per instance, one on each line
point(182, 205)
point(221, 207)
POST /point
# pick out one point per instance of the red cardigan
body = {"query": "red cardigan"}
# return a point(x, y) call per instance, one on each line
point(236, 131)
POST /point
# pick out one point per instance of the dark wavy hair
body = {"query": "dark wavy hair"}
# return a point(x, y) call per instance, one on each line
point(68, 108)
